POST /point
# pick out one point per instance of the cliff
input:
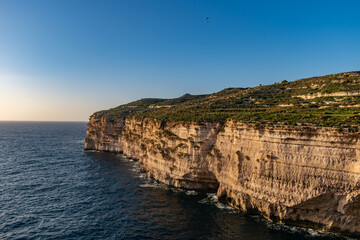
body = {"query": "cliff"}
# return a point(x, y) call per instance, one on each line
point(289, 151)
point(301, 175)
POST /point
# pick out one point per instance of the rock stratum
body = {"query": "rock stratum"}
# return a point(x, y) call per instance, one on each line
point(301, 175)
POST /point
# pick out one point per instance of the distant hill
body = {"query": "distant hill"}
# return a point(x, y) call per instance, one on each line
point(328, 101)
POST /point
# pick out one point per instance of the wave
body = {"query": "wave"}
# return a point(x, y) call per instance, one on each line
point(307, 232)
point(191, 192)
point(212, 199)
point(153, 185)
point(97, 151)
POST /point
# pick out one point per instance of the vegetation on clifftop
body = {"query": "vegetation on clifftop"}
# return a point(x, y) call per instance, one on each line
point(328, 101)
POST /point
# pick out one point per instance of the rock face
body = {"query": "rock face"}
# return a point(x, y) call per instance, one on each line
point(300, 175)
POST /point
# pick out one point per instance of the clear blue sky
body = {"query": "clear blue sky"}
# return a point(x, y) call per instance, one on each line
point(64, 59)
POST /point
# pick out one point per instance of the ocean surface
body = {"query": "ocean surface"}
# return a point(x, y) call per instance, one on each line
point(50, 188)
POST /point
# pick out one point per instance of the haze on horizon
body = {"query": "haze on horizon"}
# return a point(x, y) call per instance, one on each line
point(64, 60)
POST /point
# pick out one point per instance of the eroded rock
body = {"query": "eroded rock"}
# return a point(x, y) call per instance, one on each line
point(300, 175)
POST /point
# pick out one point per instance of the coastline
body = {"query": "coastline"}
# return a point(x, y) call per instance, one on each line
point(293, 176)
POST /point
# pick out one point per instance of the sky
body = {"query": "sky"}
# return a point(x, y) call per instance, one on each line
point(62, 60)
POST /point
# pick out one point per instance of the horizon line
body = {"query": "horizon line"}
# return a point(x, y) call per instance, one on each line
point(69, 121)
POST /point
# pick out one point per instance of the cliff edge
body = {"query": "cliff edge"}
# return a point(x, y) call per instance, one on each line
point(302, 173)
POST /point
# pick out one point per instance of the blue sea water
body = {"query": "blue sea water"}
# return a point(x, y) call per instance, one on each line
point(50, 188)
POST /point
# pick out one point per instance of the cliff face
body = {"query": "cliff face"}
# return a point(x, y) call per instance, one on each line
point(301, 175)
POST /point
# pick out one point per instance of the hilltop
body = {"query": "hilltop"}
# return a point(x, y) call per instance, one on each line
point(326, 101)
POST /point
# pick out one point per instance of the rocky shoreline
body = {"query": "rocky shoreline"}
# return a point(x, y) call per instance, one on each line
point(307, 176)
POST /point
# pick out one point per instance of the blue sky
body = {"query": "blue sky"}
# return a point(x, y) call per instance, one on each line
point(65, 59)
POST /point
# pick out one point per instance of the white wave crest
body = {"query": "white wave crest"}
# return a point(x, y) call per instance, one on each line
point(212, 199)
point(191, 192)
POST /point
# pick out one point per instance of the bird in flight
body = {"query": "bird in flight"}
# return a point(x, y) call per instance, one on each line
point(207, 19)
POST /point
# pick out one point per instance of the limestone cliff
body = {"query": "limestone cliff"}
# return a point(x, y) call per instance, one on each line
point(300, 175)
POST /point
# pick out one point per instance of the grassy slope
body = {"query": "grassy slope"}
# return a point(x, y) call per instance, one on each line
point(279, 103)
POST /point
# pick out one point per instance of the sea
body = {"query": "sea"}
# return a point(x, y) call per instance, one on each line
point(50, 188)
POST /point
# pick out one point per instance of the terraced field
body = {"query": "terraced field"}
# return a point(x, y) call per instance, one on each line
point(327, 101)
